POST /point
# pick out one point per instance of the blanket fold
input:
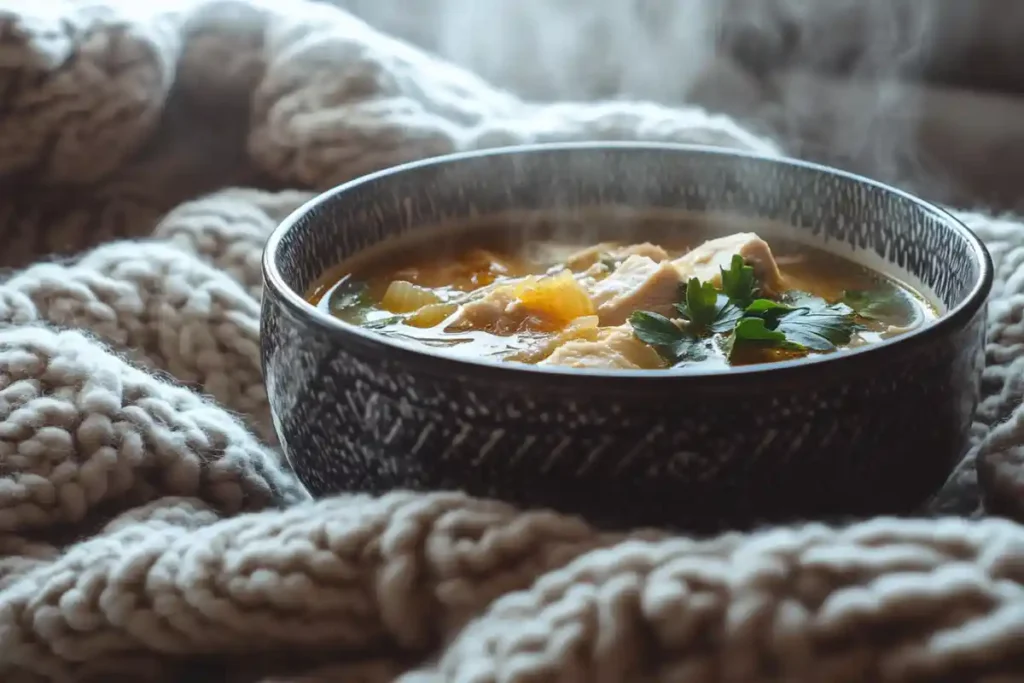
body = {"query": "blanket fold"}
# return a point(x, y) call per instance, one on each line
point(149, 530)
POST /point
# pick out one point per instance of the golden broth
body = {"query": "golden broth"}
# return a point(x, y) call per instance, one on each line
point(433, 288)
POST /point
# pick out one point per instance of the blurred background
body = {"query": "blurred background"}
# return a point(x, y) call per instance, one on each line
point(927, 94)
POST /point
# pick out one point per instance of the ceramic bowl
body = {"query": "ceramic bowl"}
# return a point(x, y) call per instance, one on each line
point(869, 431)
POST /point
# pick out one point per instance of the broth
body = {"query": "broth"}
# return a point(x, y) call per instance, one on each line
point(663, 298)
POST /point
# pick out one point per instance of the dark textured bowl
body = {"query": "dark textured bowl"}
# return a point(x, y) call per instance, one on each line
point(870, 431)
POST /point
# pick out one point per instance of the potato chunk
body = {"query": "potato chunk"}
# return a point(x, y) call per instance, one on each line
point(547, 303)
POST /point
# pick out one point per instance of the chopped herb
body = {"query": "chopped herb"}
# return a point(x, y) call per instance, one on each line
point(673, 342)
point(608, 261)
point(707, 309)
point(348, 295)
point(690, 351)
point(738, 282)
point(882, 305)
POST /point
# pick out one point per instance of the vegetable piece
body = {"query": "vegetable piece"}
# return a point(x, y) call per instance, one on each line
point(557, 298)
point(405, 297)
point(738, 282)
point(431, 315)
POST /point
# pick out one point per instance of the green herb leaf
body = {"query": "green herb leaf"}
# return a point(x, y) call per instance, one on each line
point(689, 351)
point(671, 341)
point(728, 315)
point(738, 282)
point(655, 329)
point(755, 329)
point(347, 295)
point(815, 324)
point(752, 331)
point(882, 305)
point(818, 325)
point(767, 308)
point(701, 303)
point(707, 309)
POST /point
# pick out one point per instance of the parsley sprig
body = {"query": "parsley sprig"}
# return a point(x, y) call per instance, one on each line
point(739, 318)
point(738, 282)
point(706, 309)
point(813, 324)
point(676, 343)
point(881, 305)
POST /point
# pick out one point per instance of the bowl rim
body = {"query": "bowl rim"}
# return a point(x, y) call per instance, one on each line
point(438, 362)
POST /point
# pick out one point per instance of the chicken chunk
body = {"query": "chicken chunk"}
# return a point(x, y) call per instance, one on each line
point(586, 258)
point(705, 261)
point(584, 328)
point(615, 348)
point(639, 283)
point(494, 312)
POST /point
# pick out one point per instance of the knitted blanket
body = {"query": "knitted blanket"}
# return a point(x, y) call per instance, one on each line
point(149, 530)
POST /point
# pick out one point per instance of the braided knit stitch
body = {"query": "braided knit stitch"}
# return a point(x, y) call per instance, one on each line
point(148, 528)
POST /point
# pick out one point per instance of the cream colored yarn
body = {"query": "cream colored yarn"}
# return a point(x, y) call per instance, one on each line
point(148, 529)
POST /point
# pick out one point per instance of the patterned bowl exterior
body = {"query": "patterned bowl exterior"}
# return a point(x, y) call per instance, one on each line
point(867, 432)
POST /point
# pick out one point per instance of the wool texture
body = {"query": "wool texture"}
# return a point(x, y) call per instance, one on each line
point(149, 529)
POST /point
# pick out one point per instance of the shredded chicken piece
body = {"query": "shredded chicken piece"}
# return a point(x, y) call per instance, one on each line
point(496, 312)
point(585, 258)
point(583, 328)
point(616, 348)
point(639, 283)
point(705, 261)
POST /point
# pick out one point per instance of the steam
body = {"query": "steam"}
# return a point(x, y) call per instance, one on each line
point(871, 117)
point(780, 78)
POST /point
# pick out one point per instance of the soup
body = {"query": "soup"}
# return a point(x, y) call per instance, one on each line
point(534, 297)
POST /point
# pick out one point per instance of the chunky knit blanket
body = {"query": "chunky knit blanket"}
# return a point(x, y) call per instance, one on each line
point(149, 530)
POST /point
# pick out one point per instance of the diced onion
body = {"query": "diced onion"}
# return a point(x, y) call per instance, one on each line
point(405, 297)
point(431, 315)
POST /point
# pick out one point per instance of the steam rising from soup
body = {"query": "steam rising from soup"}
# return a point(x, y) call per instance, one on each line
point(680, 299)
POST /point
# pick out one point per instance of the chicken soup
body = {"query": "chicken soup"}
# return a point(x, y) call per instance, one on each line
point(683, 301)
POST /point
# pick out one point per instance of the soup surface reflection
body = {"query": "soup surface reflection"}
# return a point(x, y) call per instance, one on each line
point(630, 305)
